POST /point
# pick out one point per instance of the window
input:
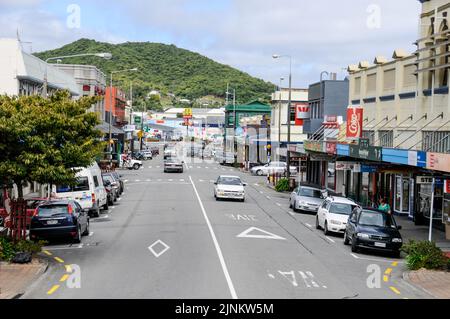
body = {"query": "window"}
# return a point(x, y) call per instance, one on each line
point(386, 138)
point(370, 135)
point(371, 86)
point(438, 142)
point(409, 79)
point(357, 88)
point(96, 181)
point(82, 185)
point(389, 80)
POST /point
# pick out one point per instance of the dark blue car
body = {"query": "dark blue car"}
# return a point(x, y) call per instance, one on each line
point(373, 229)
point(59, 219)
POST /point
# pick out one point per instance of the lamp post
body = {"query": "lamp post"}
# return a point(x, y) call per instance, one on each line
point(279, 111)
point(104, 55)
point(288, 162)
point(111, 108)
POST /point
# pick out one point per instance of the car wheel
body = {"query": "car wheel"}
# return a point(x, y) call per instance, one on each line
point(325, 229)
point(96, 212)
point(77, 239)
point(346, 241)
point(86, 232)
point(136, 167)
point(259, 172)
point(354, 245)
point(111, 201)
point(294, 207)
point(317, 222)
point(106, 206)
point(290, 204)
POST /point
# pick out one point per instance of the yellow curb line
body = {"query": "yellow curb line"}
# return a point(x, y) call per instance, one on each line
point(64, 278)
point(385, 278)
point(59, 260)
point(53, 289)
point(395, 290)
point(47, 253)
point(68, 268)
point(395, 264)
point(388, 271)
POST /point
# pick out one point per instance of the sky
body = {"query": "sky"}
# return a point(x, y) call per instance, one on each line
point(319, 35)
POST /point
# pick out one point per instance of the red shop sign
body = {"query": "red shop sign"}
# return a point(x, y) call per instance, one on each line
point(354, 122)
point(331, 148)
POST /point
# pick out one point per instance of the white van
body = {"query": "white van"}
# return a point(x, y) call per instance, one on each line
point(89, 191)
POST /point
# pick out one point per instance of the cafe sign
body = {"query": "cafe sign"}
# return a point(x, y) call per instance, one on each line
point(362, 151)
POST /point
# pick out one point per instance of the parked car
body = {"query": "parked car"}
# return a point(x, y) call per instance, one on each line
point(173, 164)
point(272, 168)
point(307, 199)
point(132, 164)
point(147, 154)
point(118, 177)
point(373, 229)
point(115, 184)
point(333, 214)
point(229, 187)
point(63, 218)
point(110, 192)
point(89, 191)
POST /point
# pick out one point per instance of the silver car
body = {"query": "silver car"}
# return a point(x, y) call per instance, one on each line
point(307, 199)
point(273, 167)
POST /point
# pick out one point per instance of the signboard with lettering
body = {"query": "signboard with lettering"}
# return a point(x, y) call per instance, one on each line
point(424, 180)
point(438, 162)
point(370, 153)
point(355, 122)
point(331, 148)
point(302, 112)
point(314, 146)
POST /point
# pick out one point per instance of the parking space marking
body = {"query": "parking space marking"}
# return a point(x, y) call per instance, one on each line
point(395, 290)
point(59, 260)
point(64, 278)
point(308, 225)
point(330, 239)
point(47, 253)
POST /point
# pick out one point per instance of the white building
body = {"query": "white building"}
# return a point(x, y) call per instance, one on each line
point(24, 74)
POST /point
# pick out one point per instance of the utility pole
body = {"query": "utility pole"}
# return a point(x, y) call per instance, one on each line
point(235, 128)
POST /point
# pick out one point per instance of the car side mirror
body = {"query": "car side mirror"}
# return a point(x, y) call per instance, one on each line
point(244, 184)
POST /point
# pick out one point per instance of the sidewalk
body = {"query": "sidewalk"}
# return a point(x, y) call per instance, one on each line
point(410, 231)
point(435, 283)
point(14, 278)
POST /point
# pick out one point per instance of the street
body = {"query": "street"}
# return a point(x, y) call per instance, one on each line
point(169, 238)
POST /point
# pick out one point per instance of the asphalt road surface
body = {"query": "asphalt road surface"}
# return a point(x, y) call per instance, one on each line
point(167, 237)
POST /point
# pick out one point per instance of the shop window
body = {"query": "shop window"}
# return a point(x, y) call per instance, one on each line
point(438, 142)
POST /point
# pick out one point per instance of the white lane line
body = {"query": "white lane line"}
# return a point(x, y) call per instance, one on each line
point(355, 256)
point(185, 164)
point(268, 197)
point(308, 225)
point(91, 234)
point(279, 205)
point(216, 244)
point(330, 239)
point(119, 199)
point(291, 213)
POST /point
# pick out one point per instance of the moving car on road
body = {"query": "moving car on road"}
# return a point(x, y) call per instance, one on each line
point(272, 168)
point(333, 214)
point(173, 164)
point(64, 218)
point(373, 229)
point(229, 187)
point(89, 191)
point(306, 199)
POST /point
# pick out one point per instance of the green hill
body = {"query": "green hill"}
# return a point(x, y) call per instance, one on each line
point(168, 69)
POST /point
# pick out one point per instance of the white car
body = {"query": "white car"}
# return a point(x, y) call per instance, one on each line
point(229, 187)
point(306, 199)
point(89, 191)
point(333, 214)
point(271, 168)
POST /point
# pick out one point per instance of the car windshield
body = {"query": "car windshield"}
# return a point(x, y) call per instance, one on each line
point(376, 219)
point(173, 160)
point(309, 192)
point(341, 209)
point(82, 185)
point(229, 181)
point(52, 210)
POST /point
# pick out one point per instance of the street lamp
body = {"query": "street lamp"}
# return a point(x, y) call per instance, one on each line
point(111, 107)
point(288, 163)
point(279, 110)
point(103, 55)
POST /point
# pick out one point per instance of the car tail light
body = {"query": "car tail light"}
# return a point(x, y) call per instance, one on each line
point(36, 212)
point(93, 198)
point(70, 209)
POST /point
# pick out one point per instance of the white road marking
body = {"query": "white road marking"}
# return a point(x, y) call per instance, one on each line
point(91, 234)
point(150, 167)
point(278, 204)
point(137, 181)
point(125, 181)
point(268, 197)
point(355, 256)
point(262, 234)
point(308, 225)
point(63, 248)
point(290, 274)
point(216, 244)
point(330, 239)
point(161, 243)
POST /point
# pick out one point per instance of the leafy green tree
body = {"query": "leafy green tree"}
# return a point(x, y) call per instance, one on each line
point(42, 140)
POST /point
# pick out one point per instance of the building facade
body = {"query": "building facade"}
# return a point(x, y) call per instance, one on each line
point(115, 111)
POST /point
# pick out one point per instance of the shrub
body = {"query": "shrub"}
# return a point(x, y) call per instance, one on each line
point(424, 254)
point(7, 251)
point(27, 246)
point(282, 185)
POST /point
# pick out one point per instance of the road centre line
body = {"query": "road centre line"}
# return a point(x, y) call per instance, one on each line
point(216, 244)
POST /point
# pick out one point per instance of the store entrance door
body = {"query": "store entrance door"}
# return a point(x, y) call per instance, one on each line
point(403, 200)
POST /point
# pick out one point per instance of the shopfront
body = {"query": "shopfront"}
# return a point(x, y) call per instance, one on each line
point(404, 195)
point(424, 185)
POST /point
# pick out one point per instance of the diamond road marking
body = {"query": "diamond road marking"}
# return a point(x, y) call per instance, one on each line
point(161, 252)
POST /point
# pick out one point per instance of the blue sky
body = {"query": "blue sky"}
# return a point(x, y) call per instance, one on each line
point(319, 35)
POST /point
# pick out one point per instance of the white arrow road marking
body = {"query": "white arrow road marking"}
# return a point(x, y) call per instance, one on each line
point(161, 252)
point(262, 234)
point(291, 275)
point(305, 279)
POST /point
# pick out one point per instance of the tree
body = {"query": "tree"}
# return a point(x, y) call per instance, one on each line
point(43, 140)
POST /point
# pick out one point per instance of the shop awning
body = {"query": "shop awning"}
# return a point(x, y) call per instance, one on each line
point(104, 128)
